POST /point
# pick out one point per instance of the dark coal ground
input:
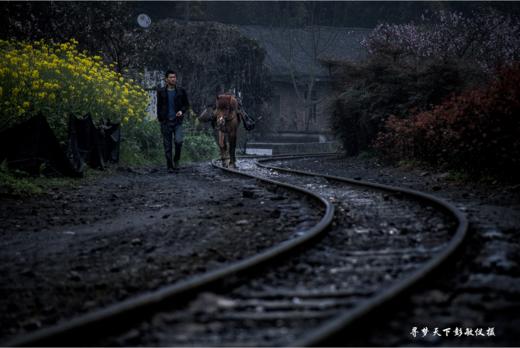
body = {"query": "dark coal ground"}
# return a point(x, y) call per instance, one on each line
point(75, 249)
point(481, 289)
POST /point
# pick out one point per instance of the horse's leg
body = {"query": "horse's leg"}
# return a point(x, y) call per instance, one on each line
point(227, 150)
point(224, 156)
point(221, 145)
point(224, 148)
point(233, 144)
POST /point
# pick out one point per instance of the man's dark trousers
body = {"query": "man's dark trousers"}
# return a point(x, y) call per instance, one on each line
point(171, 129)
point(171, 124)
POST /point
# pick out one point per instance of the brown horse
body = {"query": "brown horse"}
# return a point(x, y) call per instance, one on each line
point(225, 118)
point(227, 121)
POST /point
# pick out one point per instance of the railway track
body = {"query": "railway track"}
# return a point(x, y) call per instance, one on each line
point(380, 241)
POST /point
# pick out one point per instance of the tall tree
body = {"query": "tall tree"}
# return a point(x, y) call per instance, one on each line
point(102, 27)
point(301, 38)
point(209, 56)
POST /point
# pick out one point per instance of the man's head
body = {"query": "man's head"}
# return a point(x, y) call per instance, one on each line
point(171, 78)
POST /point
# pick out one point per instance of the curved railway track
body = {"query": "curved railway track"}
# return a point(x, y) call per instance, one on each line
point(328, 332)
point(381, 241)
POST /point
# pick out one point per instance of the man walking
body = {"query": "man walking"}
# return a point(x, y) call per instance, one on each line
point(172, 105)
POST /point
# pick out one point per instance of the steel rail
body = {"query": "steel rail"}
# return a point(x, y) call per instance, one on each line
point(122, 314)
point(342, 321)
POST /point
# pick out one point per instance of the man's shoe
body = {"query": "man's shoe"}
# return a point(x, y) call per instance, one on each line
point(176, 165)
point(170, 170)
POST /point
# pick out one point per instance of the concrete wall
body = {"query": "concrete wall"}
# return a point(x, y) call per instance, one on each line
point(289, 115)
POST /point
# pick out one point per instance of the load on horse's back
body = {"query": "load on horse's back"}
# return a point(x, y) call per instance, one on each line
point(226, 101)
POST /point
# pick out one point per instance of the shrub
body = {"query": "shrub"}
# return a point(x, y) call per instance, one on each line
point(13, 185)
point(142, 144)
point(476, 131)
point(198, 147)
point(58, 80)
point(412, 67)
point(372, 91)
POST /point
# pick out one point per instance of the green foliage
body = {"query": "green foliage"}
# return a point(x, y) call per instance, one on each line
point(16, 184)
point(143, 145)
point(198, 147)
point(199, 143)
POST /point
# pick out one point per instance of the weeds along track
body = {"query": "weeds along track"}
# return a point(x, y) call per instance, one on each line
point(379, 241)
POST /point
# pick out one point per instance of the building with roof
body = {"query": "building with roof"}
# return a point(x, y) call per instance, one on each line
point(301, 81)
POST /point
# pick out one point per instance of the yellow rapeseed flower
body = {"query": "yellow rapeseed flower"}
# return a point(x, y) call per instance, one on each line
point(38, 69)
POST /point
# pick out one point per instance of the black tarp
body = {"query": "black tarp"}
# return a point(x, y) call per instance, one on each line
point(112, 141)
point(88, 140)
point(32, 146)
point(96, 145)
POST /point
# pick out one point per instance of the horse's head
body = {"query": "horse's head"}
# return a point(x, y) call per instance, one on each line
point(226, 108)
point(220, 116)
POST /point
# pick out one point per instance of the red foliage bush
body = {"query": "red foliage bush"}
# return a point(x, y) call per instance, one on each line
point(477, 131)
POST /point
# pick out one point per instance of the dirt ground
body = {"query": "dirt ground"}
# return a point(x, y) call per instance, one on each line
point(77, 248)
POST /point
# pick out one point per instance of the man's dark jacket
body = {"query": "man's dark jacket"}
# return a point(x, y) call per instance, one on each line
point(181, 103)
